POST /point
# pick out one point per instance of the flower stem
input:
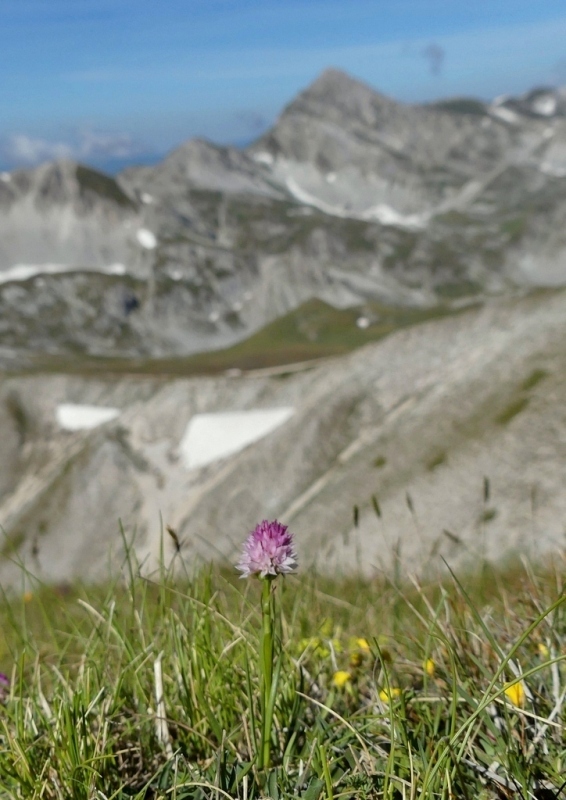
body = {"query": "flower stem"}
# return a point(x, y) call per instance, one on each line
point(266, 662)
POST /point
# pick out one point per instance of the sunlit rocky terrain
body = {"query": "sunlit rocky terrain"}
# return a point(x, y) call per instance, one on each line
point(356, 324)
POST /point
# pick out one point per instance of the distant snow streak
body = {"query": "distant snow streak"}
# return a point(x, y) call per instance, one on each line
point(381, 213)
point(23, 272)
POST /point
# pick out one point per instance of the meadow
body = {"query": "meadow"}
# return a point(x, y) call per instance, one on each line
point(151, 687)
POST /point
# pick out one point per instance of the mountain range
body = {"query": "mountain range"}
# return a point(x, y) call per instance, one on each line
point(351, 198)
point(175, 343)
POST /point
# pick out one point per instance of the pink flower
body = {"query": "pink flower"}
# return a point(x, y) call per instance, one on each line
point(4, 687)
point(268, 550)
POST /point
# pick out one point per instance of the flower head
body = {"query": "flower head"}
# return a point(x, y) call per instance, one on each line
point(268, 550)
point(543, 650)
point(388, 694)
point(515, 692)
point(341, 678)
point(4, 687)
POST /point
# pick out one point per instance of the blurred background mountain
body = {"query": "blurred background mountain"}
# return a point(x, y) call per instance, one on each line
point(180, 331)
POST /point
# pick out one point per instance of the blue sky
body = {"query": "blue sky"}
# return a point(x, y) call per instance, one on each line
point(113, 81)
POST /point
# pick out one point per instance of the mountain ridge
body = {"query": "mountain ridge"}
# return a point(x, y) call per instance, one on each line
point(351, 197)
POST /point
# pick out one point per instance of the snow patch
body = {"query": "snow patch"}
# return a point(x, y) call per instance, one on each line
point(331, 177)
point(210, 437)
point(381, 213)
point(75, 417)
point(146, 198)
point(389, 216)
point(115, 269)
point(23, 272)
point(505, 114)
point(362, 322)
point(310, 200)
point(146, 238)
point(263, 158)
point(5, 177)
point(544, 105)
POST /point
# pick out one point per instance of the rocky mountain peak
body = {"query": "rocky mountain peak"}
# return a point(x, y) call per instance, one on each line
point(64, 182)
point(338, 96)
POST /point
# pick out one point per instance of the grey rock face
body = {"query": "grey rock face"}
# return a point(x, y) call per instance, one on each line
point(414, 423)
point(350, 197)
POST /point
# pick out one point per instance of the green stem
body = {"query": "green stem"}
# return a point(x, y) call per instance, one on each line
point(266, 671)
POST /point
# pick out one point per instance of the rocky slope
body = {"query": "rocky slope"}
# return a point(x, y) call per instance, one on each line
point(351, 198)
point(448, 437)
point(353, 217)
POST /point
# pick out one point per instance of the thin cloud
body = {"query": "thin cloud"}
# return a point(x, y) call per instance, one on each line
point(20, 149)
point(23, 149)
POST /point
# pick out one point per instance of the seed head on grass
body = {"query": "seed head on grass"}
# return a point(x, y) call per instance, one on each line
point(268, 550)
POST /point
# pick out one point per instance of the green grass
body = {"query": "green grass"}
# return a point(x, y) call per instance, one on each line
point(536, 376)
point(422, 713)
point(314, 330)
point(512, 410)
point(436, 461)
point(462, 105)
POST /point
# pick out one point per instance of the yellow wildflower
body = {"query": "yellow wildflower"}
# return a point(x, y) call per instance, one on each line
point(543, 650)
point(327, 628)
point(356, 659)
point(515, 692)
point(355, 644)
point(28, 597)
point(429, 667)
point(386, 695)
point(341, 678)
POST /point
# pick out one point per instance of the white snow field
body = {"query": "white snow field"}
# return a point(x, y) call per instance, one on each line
point(209, 437)
point(23, 272)
point(75, 417)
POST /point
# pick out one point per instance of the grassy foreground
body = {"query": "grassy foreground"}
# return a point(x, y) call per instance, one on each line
point(149, 689)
